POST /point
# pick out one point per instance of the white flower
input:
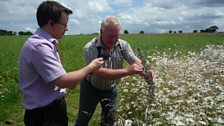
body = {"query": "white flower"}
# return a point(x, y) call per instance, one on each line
point(128, 122)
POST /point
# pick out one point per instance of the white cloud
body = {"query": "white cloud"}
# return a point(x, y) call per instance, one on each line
point(120, 2)
point(74, 21)
point(135, 15)
point(17, 9)
point(98, 6)
point(30, 29)
point(171, 14)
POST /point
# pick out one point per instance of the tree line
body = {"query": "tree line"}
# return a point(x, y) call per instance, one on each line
point(6, 32)
point(210, 29)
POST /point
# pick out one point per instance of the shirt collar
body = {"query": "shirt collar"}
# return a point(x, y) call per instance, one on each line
point(46, 35)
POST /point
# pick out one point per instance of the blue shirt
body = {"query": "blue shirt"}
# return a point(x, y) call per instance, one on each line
point(39, 64)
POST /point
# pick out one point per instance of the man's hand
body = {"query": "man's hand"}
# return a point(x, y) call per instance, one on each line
point(135, 68)
point(150, 74)
point(96, 64)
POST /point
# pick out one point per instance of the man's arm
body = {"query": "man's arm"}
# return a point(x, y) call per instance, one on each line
point(71, 79)
point(112, 74)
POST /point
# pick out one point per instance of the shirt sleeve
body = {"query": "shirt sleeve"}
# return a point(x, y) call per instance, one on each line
point(47, 62)
point(90, 53)
point(128, 53)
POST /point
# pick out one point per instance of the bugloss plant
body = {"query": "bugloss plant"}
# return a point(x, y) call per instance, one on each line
point(189, 91)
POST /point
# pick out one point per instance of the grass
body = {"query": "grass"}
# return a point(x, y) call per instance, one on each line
point(70, 48)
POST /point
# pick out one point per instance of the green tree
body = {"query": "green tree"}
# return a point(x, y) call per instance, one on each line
point(195, 31)
point(211, 29)
point(5, 32)
point(141, 32)
point(126, 32)
point(25, 33)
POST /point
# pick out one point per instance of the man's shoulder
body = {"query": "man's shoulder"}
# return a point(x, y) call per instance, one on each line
point(35, 44)
point(123, 43)
point(36, 40)
point(91, 43)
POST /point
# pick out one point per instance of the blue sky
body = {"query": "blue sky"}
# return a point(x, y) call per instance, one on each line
point(151, 16)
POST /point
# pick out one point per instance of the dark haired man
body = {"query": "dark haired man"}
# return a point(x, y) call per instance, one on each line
point(42, 78)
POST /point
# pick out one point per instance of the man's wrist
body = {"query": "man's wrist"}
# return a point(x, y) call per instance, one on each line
point(126, 73)
point(89, 68)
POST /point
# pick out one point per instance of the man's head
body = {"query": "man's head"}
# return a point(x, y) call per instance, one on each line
point(55, 15)
point(110, 29)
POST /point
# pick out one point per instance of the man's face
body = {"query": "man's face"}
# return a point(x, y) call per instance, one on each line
point(60, 27)
point(110, 36)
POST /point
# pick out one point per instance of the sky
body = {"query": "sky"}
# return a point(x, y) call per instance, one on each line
point(150, 16)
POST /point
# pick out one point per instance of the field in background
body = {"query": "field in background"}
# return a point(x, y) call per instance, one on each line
point(70, 49)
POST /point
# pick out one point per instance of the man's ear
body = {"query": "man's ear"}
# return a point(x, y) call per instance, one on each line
point(50, 22)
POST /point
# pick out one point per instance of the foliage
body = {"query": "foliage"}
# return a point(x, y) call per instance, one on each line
point(126, 32)
point(25, 33)
point(211, 29)
point(141, 32)
point(189, 91)
point(5, 32)
point(195, 31)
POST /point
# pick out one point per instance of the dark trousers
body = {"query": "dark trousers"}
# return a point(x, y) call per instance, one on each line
point(89, 98)
point(54, 114)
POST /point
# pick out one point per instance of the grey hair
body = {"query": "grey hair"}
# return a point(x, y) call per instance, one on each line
point(110, 21)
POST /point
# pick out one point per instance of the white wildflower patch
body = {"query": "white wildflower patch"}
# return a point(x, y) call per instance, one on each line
point(189, 91)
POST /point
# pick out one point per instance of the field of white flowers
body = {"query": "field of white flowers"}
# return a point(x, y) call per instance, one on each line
point(189, 91)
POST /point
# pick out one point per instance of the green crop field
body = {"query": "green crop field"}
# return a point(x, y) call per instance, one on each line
point(171, 55)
